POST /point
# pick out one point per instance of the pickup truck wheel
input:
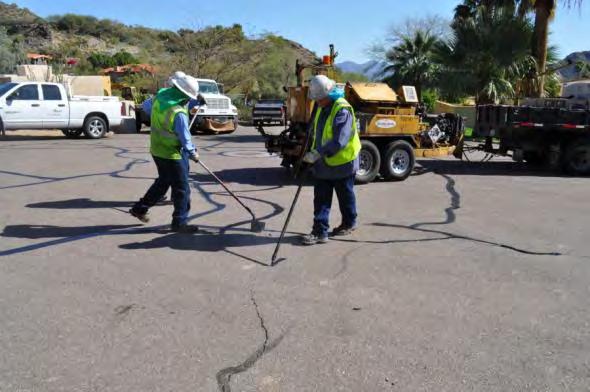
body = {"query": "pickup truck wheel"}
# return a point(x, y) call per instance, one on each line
point(369, 162)
point(72, 133)
point(95, 127)
point(398, 161)
point(577, 158)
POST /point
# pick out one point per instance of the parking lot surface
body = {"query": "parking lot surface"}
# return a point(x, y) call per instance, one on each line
point(465, 277)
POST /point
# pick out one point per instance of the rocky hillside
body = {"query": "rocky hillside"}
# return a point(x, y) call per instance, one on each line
point(257, 66)
point(13, 13)
point(572, 72)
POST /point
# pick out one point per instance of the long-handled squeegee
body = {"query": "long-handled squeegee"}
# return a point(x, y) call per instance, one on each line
point(256, 226)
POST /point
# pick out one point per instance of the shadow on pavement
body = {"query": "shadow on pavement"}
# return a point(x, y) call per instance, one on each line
point(492, 168)
point(209, 242)
point(19, 138)
point(81, 204)
point(75, 204)
point(260, 176)
point(205, 242)
point(46, 231)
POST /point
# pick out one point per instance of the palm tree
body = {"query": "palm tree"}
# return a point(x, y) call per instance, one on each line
point(583, 68)
point(544, 13)
point(487, 56)
point(468, 8)
point(410, 62)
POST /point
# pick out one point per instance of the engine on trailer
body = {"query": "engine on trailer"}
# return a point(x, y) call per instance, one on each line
point(290, 144)
point(443, 129)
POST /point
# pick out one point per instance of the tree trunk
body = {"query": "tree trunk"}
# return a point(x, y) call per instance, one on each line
point(543, 9)
point(419, 91)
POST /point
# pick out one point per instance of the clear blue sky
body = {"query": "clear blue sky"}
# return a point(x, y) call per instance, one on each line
point(351, 25)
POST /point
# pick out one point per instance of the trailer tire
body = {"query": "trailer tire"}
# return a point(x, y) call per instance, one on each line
point(95, 127)
point(369, 162)
point(398, 161)
point(577, 158)
point(72, 133)
point(534, 158)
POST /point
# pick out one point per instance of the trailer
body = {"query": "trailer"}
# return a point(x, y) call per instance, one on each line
point(551, 132)
point(393, 126)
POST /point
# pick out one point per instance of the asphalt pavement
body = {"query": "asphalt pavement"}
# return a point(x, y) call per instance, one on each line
point(465, 277)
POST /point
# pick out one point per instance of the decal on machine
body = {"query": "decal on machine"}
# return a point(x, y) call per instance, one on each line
point(385, 123)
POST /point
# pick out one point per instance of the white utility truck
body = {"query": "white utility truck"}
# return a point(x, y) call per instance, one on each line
point(31, 105)
point(218, 115)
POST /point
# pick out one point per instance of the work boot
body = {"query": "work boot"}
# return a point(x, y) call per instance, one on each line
point(139, 215)
point(343, 230)
point(184, 229)
point(313, 238)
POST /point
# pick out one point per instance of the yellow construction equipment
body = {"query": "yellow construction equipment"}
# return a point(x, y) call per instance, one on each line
point(394, 128)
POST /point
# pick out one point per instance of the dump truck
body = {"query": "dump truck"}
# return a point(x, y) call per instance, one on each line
point(219, 115)
point(393, 127)
point(551, 132)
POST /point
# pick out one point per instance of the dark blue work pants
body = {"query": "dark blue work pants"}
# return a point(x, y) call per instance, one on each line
point(171, 174)
point(322, 201)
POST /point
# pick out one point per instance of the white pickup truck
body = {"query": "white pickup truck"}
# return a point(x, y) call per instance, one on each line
point(31, 105)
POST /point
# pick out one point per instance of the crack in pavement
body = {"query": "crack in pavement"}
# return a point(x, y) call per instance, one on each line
point(224, 375)
point(450, 217)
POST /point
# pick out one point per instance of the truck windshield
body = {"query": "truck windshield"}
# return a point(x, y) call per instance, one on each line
point(208, 88)
point(4, 87)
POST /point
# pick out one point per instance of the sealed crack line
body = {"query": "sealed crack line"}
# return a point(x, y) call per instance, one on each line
point(261, 319)
point(224, 375)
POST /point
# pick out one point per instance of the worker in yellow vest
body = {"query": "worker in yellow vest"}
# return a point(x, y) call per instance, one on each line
point(171, 148)
point(334, 156)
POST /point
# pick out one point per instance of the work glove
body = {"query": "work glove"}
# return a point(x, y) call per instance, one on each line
point(194, 156)
point(311, 157)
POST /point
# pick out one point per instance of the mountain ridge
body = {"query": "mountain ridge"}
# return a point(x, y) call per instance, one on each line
point(258, 66)
point(372, 69)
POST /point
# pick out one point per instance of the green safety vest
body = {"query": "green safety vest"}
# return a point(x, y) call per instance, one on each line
point(352, 149)
point(164, 141)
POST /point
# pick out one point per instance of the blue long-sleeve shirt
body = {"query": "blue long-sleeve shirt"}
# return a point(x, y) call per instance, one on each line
point(342, 132)
point(181, 129)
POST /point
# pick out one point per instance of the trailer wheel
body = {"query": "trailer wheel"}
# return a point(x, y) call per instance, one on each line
point(398, 161)
point(72, 133)
point(577, 158)
point(534, 158)
point(95, 127)
point(369, 162)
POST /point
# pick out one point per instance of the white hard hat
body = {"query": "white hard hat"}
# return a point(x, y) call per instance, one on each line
point(185, 83)
point(320, 86)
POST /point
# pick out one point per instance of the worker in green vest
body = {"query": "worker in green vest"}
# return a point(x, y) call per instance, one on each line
point(334, 159)
point(171, 148)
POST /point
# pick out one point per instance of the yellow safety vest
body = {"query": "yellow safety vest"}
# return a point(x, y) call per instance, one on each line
point(164, 141)
point(352, 149)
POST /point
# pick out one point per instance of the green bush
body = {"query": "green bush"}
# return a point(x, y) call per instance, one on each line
point(429, 98)
point(102, 60)
point(10, 52)
point(244, 111)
